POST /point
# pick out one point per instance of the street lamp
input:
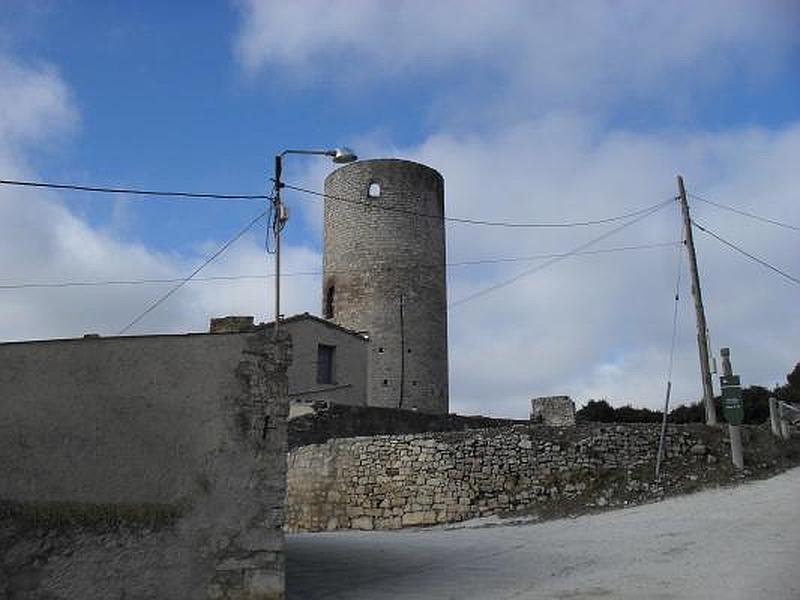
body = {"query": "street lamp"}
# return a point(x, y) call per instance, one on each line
point(339, 156)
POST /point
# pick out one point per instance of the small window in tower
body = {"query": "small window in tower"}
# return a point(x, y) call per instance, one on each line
point(325, 366)
point(374, 190)
point(329, 302)
point(380, 350)
point(385, 382)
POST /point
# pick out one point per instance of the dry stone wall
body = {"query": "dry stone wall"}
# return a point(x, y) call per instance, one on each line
point(388, 482)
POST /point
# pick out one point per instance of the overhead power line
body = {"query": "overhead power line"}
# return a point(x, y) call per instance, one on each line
point(133, 192)
point(747, 254)
point(465, 263)
point(739, 211)
point(558, 259)
point(472, 221)
point(490, 261)
point(185, 280)
point(215, 196)
point(670, 367)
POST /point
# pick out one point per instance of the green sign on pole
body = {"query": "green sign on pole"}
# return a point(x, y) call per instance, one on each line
point(732, 406)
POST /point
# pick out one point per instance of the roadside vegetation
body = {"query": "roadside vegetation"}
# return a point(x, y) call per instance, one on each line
point(755, 399)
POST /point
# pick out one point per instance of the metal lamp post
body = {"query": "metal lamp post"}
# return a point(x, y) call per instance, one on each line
point(339, 156)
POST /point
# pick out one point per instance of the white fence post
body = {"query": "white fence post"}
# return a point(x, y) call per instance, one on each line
point(783, 416)
point(773, 416)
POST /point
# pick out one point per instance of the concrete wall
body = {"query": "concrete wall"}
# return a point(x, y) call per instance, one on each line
point(382, 263)
point(142, 467)
point(389, 482)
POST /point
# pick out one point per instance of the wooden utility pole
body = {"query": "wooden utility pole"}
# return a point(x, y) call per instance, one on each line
point(702, 340)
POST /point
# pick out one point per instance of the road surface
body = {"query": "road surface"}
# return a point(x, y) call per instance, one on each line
point(739, 543)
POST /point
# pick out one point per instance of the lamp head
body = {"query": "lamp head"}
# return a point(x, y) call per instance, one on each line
point(342, 155)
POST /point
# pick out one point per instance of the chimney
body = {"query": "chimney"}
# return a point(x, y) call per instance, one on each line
point(231, 324)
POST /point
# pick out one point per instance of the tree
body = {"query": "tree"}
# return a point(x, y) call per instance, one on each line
point(755, 401)
point(793, 378)
point(688, 413)
point(596, 410)
point(790, 392)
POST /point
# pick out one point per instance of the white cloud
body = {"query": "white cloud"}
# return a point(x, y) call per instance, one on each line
point(599, 326)
point(35, 104)
point(522, 57)
point(42, 241)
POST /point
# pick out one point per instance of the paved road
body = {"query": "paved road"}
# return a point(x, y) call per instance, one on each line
point(738, 543)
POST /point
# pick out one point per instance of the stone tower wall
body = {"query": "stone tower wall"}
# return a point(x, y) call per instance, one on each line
point(374, 259)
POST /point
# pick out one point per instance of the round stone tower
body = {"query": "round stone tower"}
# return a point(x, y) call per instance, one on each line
point(384, 275)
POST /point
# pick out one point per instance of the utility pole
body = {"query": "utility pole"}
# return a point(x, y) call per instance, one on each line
point(279, 218)
point(702, 340)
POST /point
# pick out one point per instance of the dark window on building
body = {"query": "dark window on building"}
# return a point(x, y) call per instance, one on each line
point(325, 357)
point(329, 302)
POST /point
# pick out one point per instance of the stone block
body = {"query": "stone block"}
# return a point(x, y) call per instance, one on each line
point(555, 411)
point(364, 522)
point(419, 518)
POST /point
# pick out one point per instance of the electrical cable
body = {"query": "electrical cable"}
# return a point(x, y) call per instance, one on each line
point(475, 221)
point(490, 261)
point(739, 211)
point(133, 192)
point(558, 259)
point(215, 196)
point(184, 281)
point(112, 282)
point(671, 364)
point(747, 254)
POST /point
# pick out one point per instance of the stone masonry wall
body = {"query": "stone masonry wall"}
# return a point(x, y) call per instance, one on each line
point(143, 467)
point(388, 482)
point(385, 264)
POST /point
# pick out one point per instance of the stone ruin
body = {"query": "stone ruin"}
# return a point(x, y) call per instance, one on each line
point(555, 411)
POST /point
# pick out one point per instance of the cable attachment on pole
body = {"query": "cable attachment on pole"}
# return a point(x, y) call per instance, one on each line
point(281, 217)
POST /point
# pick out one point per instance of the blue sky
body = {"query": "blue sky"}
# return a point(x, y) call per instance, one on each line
point(533, 111)
point(164, 104)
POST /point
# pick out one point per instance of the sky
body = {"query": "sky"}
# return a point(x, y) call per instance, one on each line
point(533, 111)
